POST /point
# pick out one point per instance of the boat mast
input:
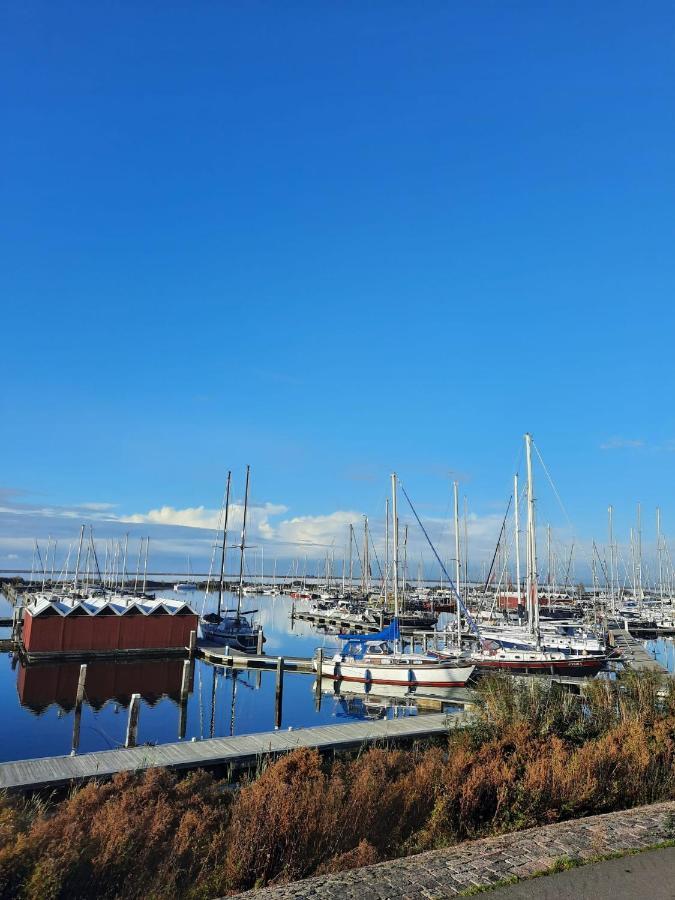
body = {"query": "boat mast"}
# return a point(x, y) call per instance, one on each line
point(658, 553)
point(516, 517)
point(405, 562)
point(394, 515)
point(145, 563)
point(53, 561)
point(242, 545)
point(223, 554)
point(639, 555)
point(386, 552)
point(633, 566)
point(79, 555)
point(612, 600)
point(46, 563)
point(533, 600)
point(466, 551)
point(549, 564)
point(124, 565)
point(351, 560)
point(366, 558)
point(458, 568)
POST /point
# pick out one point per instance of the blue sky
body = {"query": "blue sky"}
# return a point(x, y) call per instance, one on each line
point(332, 240)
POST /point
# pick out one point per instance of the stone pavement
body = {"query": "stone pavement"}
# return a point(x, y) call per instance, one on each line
point(446, 873)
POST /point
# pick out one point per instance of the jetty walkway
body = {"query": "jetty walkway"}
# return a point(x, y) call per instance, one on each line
point(633, 652)
point(240, 751)
point(475, 865)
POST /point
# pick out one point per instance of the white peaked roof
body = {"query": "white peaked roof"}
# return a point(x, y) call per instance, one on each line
point(92, 606)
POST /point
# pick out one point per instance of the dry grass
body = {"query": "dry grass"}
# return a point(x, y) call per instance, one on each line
point(534, 756)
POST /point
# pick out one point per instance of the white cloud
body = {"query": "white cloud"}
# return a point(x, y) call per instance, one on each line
point(321, 531)
point(619, 443)
point(96, 507)
point(202, 517)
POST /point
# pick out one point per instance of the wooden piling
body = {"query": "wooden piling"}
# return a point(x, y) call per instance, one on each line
point(185, 680)
point(261, 636)
point(193, 644)
point(79, 697)
point(132, 723)
point(279, 692)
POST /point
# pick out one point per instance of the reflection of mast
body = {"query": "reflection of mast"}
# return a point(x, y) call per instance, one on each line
point(234, 700)
point(212, 724)
point(224, 549)
point(241, 548)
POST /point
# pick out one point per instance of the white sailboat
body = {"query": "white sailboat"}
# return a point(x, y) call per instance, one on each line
point(188, 585)
point(234, 627)
point(534, 655)
point(379, 659)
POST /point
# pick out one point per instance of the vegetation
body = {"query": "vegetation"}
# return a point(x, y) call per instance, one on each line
point(534, 755)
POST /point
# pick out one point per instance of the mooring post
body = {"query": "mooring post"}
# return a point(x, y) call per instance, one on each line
point(185, 679)
point(259, 648)
point(279, 692)
point(16, 621)
point(132, 723)
point(193, 644)
point(79, 697)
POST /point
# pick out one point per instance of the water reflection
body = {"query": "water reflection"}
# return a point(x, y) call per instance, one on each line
point(363, 701)
point(40, 686)
point(663, 651)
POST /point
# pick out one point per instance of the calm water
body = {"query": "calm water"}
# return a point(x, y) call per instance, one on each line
point(663, 650)
point(36, 702)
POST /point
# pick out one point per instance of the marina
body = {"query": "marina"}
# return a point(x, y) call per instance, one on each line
point(108, 664)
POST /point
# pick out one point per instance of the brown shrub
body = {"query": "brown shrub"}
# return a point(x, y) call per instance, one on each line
point(364, 854)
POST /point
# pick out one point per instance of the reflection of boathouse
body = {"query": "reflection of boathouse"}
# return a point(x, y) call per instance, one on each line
point(39, 686)
point(54, 625)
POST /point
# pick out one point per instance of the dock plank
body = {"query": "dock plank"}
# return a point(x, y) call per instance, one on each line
point(58, 770)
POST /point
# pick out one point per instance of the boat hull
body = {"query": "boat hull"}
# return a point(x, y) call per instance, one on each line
point(572, 666)
point(244, 641)
point(409, 676)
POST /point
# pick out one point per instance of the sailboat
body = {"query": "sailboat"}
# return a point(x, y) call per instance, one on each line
point(533, 656)
point(186, 585)
point(379, 659)
point(233, 627)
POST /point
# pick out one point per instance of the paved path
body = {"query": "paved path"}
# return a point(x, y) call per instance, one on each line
point(650, 875)
point(447, 873)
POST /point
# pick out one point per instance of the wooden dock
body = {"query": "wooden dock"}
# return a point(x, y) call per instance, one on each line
point(234, 659)
point(243, 750)
point(633, 652)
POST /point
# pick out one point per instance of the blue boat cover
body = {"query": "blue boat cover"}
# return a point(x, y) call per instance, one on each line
point(391, 633)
